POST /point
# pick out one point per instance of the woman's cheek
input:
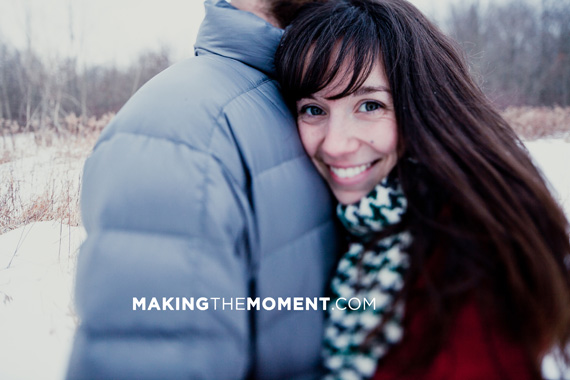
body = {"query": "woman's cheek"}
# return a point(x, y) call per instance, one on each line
point(310, 137)
point(384, 138)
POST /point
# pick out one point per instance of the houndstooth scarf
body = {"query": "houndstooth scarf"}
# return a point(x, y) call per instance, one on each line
point(378, 279)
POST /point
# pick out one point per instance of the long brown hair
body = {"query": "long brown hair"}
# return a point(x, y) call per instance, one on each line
point(471, 186)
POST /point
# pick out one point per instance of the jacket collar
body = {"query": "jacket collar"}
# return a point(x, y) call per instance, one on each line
point(239, 35)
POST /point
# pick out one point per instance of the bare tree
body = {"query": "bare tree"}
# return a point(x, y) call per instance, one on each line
point(39, 91)
point(519, 50)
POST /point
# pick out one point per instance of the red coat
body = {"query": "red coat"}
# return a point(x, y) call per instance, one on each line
point(475, 350)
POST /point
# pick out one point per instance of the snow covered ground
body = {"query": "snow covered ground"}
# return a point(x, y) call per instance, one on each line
point(37, 265)
point(37, 321)
point(553, 157)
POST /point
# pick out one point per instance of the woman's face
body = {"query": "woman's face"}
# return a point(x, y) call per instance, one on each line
point(353, 140)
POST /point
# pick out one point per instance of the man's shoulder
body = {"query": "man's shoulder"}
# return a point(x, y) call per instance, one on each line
point(208, 79)
point(193, 94)
point(213, 106)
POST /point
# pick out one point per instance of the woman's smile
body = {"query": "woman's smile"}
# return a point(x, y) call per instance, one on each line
point(344, 173)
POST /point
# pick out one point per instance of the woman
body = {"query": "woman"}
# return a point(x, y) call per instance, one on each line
point(453, 233)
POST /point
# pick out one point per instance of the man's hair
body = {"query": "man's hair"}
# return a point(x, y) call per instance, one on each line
point(284, 11)
point(474, 195)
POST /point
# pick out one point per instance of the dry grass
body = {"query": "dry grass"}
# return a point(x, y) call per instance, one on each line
point(41, 171)
point(532, 123)
point(37, 195)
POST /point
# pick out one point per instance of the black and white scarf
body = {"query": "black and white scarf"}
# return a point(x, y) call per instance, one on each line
point(374, 275)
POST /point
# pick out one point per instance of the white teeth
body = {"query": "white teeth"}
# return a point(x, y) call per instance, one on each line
point(349, 172)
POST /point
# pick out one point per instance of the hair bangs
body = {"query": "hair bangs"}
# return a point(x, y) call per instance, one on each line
point(342, 51)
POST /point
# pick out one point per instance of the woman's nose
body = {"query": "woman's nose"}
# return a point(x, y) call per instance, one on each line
point(339, 140)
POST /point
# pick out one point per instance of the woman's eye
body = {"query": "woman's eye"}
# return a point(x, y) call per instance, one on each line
point(312, 111)
point(369, 106)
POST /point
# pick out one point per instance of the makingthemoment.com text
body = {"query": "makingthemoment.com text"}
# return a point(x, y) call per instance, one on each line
point(247, 303)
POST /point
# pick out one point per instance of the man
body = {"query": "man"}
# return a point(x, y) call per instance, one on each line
point(199, 188)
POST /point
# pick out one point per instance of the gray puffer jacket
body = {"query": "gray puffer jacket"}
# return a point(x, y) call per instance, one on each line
point(200, 188)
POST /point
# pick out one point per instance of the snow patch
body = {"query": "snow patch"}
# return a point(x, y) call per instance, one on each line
point(37, 319)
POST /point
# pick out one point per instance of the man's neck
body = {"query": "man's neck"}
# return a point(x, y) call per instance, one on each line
point(258, 8)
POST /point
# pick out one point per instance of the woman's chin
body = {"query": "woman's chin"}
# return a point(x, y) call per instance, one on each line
point(349, 197)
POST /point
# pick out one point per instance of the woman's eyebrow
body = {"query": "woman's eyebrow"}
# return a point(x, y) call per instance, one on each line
point(364, 90)
point(370, 89)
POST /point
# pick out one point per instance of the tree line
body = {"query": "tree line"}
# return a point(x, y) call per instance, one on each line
point(519, 51)
point(37, 93)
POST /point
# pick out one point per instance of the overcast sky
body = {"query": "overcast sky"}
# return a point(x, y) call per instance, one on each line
point(113, 31)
